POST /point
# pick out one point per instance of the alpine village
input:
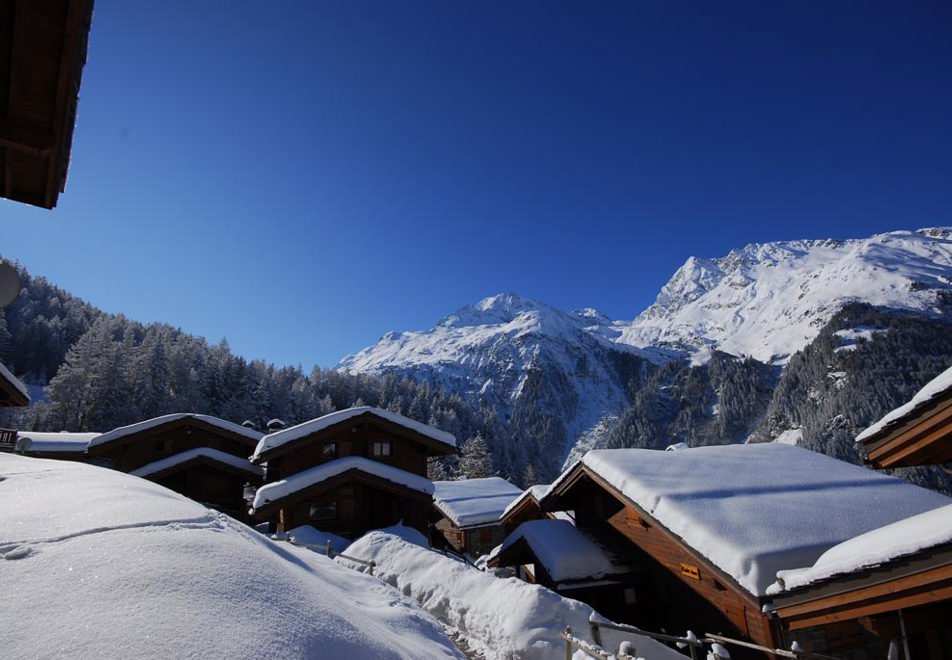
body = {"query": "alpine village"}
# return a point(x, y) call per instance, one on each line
point(810, 526)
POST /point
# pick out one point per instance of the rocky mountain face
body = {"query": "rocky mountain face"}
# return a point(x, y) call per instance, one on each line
point(800, 341)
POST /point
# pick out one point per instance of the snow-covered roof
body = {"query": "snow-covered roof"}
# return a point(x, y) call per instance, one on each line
point(564, 551)
point(14, 381)
point(183, 457)
point(874, 548)
point(936, 387)
point(124, 431)
point(473, 502)
point(100, 564)
point(312, 536)
point(753, 510)
point(63, 441)
point(536, 492)
point(279, 438)
point(279, 490)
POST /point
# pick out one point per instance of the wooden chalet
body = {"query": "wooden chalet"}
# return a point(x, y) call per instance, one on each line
point(917, 433)
point(713, 525)
point(601, 572)
point(348, 472)
point(893, 584)
point(199, 456)
point(41, 62)
point(468, 512)
point(12, 394)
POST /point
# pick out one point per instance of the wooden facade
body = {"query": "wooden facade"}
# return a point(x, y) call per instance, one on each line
point(42, 53)
point(907, 601)
point(687, 590)
point(138, 445)
point(477, 540)
point(525, 508)
point(215, 481)
point(366, 435)
point(360, 499)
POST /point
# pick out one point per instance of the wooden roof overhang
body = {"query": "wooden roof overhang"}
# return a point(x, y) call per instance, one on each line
point(923, 579)
point(527, 504)
point(338, 480)
point(42, 53)
point(207, 461)
point(434, 447)
point(10, 394)
point(559, 499)
point(149, 432)
point(922, 437)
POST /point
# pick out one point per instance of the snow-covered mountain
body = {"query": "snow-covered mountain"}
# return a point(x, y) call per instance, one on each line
point(767, 301)
point(770, 300)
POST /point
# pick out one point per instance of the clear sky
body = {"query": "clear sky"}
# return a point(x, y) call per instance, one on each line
point(302, 177)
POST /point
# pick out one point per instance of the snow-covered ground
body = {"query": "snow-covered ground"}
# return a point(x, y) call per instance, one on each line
point(95, 563)
point(498, 618)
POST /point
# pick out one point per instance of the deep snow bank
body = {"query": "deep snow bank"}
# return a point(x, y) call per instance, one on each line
point(502, 618)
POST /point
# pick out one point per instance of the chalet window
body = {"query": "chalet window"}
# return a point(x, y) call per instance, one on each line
point(329, 450)
point(381, 449)
point(324, 510)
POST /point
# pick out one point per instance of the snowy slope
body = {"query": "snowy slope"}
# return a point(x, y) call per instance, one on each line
point(99, 564)
point(770, 300)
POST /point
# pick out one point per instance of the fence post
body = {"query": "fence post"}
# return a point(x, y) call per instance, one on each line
point(372, 564)
point(568, 643)
point(596, 632)
point(330, 552)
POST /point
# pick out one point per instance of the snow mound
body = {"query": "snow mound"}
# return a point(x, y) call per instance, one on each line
point(96, 563)
point(500, 618)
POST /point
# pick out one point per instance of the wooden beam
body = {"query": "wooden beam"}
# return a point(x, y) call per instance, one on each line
point(26, 139)
point(927, 597)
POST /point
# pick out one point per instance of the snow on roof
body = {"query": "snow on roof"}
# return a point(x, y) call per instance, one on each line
point(472, 502)
point(278, 438)
point(874, 548)
point(564, 551)
point(934, 388)
point(537, 492)
point(102, 564)
point(123, 431)
point(756, 509)
point(498, 618)
point(312, 536)
point(182, 457)
point(278, 490)
point(16, 382)
point(55, 442)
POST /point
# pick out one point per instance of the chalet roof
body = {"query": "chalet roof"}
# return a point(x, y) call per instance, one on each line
point(62, 442)
point(41, 66)
point(898, 540)
point(753, 510)
point(536, 493)
point(474, 502)
point(279, 490)
point(936, 388)
point(12, 391)
point(272, 441)
point(124, 431)
point(564, 552)
point(214, 455)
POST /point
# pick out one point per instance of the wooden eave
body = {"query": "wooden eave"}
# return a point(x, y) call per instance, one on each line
point(435, 447)
point(528, 501)
point(42, 53)
point(10, 394)
point(337, 481)
point(581, 471)
point(166, 427)
point(923, 437)
point(206, 461)
point(922, 579)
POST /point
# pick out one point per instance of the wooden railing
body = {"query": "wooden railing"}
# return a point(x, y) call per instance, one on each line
point(329, 551)
point(8, 440)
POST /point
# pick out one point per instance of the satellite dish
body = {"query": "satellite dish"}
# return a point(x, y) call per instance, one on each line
point(9, 284)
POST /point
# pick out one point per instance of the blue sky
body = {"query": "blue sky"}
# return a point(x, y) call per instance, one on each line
point(302, 177)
